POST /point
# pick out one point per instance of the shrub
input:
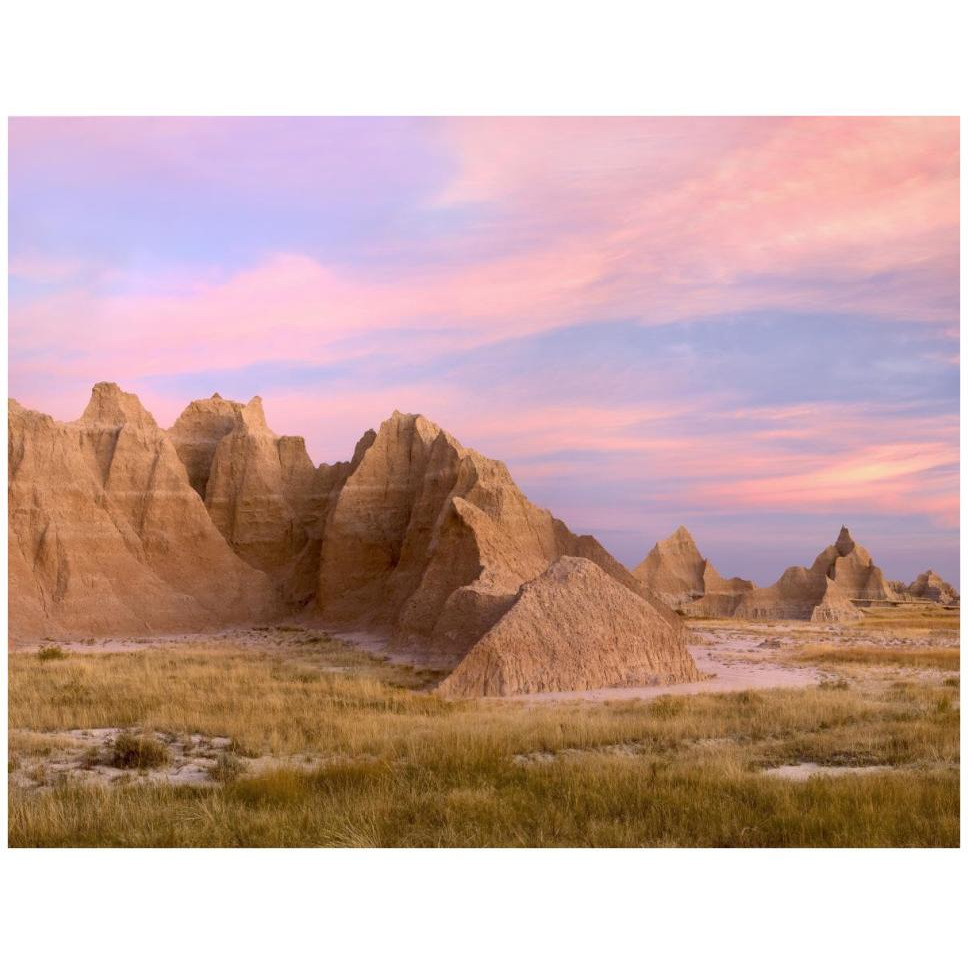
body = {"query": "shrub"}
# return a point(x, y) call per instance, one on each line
point(834, 684)
point(138, 752)
point(49, 652)
point(91, 757)
point(241, 749)
point(227, 767)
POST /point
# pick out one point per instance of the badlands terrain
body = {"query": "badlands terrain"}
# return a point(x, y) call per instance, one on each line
point(215, 642)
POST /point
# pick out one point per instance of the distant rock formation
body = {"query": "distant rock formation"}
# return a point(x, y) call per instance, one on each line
point(928, 585)
point(573, 627)
point(119, 527)
point(107, 535)
point(823, 592)
point(676, 572)
point(850, 567)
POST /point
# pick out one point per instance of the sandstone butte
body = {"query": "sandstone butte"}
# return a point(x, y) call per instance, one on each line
point(118, 527)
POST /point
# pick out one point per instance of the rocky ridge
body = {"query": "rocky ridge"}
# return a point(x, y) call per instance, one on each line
point(120, 527)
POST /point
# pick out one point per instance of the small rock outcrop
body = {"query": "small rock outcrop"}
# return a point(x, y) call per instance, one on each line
point(573, 628)
point(851, 568)
point(930, 585)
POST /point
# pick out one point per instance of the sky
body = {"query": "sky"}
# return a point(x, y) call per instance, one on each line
point(749, 326)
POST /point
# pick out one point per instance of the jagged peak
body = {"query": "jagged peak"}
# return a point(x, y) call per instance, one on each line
point(844, 544)
point(362, 446)
point(410, 423)
point(675, 542)
point(253, 416)
point(111, 405)
point(228, 414)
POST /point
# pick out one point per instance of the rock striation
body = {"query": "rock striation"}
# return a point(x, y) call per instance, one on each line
point(676, 572)
point(120, 527)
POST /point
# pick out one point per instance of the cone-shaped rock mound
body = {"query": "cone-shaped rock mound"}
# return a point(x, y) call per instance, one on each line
point(674, 569)
point(573, 628)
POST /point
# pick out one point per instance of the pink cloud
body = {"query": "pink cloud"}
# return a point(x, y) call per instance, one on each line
point(651, 219)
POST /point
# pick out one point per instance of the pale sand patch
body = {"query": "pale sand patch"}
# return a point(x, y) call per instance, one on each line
point(54, 758)
point(799, 772)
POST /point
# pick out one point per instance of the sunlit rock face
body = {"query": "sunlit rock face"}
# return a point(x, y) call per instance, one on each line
point(120, 527)
point(107, 535)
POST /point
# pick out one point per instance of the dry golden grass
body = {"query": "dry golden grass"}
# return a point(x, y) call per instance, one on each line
point(418, 771)
point(910, 619)
point(915, 658)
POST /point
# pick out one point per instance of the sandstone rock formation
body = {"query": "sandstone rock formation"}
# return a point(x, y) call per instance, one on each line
point(262, 491)
point(823, 592)
point(931, 586)
point(106, 534)
point(851, 568)
point(674, 569)
point(676, 572)
point(573, 627)
point(118, 527)
point(430, 542)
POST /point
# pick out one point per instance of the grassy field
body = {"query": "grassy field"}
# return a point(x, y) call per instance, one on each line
point(915, 619)
point(912, 658)
point(389, 764)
